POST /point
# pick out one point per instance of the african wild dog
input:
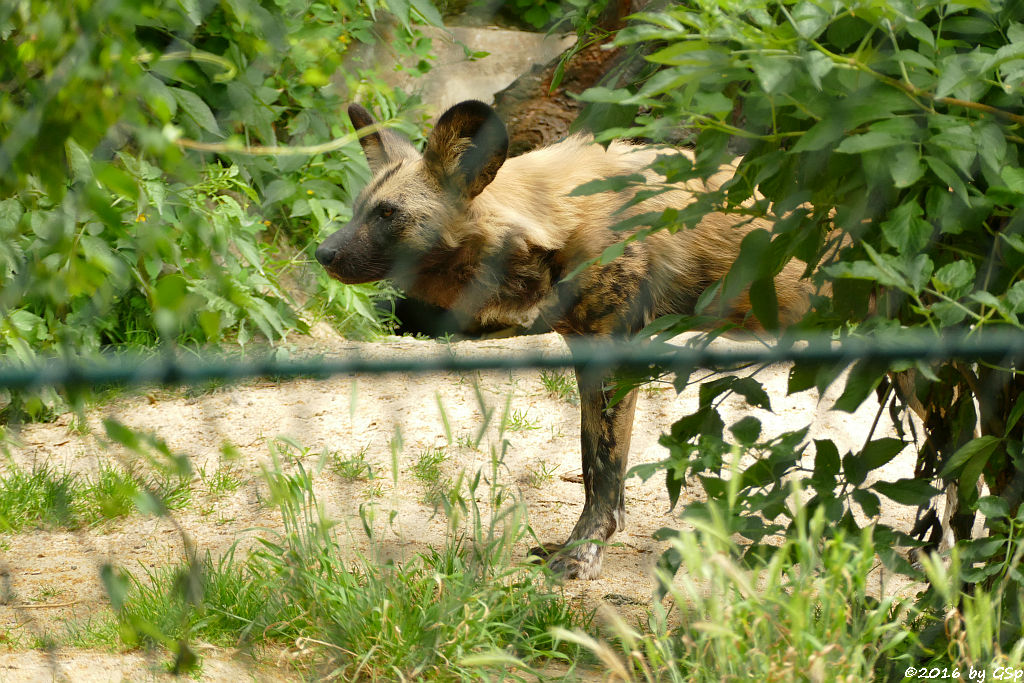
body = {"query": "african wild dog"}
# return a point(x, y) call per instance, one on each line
point(491, 238)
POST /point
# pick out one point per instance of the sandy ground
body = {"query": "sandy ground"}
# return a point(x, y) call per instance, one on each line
point(53, 575)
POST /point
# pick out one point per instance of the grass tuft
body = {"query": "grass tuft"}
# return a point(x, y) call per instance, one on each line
point(40, 497)
point(561, 384)
point(44, 497)
point(519, 422)
point(427, 470)
point(352, 468)
point(465, 610)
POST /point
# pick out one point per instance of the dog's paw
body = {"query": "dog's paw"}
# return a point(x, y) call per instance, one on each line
point(569, 561)
point(543, 553)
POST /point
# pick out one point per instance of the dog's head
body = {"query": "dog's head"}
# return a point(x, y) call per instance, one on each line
point(413, 204)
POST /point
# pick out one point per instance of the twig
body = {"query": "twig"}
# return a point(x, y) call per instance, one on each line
point(307, 150)
point(52, 605)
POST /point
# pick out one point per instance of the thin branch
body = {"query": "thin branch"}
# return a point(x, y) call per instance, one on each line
point(54, 605)
point(914, 91)
point(284, 150)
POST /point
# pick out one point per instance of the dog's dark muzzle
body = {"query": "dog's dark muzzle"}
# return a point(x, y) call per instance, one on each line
point(350, 255)
point(325, 254)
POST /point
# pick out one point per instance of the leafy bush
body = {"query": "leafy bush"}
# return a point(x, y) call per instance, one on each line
point(883, 138)
point(550, 15)
point(111, 230)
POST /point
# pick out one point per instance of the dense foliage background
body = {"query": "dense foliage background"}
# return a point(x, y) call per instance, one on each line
point(884, 138)
point(112, 233)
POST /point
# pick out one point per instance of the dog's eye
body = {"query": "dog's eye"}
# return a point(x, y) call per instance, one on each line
point(386, 210)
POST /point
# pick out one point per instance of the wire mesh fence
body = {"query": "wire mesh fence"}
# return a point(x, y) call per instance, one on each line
point(1001, 347)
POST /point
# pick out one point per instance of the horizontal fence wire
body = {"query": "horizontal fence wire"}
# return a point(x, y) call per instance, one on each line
point(1003, 347)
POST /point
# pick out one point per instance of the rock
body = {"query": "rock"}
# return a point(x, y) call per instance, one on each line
point(455, 76)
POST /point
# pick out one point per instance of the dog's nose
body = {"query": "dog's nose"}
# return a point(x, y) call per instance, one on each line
point(324, 255)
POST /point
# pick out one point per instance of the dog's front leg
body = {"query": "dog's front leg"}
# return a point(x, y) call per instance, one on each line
point(604, 437)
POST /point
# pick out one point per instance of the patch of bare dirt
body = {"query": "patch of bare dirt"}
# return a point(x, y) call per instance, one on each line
point(54, 574)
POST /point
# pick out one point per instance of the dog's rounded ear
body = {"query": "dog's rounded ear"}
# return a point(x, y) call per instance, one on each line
point(467, 147)
point(381, 146)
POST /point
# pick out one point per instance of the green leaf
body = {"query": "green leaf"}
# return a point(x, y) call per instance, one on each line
point(906, 230)
point(921, 32)
point(951, 74)
point(981, 549)
point(78, 160)
point(647, 470)
point(1015, 297)
point(864, 377)
point(880, 451)
point(801, 377)
point(709, 391)
point(197, 110)
point(116, 584)
point(747, 430)
point(948, 313)
point(906, 167)
point(765, 303)
point(948, 176)
point(158, 97)
point(819, 136)
point(605, 95)
point(211, 324)
point(868, 502)
point(1015, 413)
point(612, 252)
point(681, 52)
point(918, 271)
point(954, 278)
point(400, 8)
point(673, 484)
point(809, 19)
point(826, 459)
point(993, 507)
point(818, 66)
point(980, 448)
point(1006, 53)
point(29, 325)
point(874, 455)
point(748, 266)
point(847, 30)
point(537, 16)
point(907, 491)
point(750, 389)
point(118, 433)
point(315, 77)
point(706, 422)
point(713, 103)
point(170, 291)
point(11, 212)
point(772, 71)
point(868, 142)
point(429, 13)
point(613, 184)
point(1013, 177)
point(117, 181)
point(990, 142)
point(278, 190)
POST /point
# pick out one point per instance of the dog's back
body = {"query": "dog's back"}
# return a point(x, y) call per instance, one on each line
point(531, 201)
